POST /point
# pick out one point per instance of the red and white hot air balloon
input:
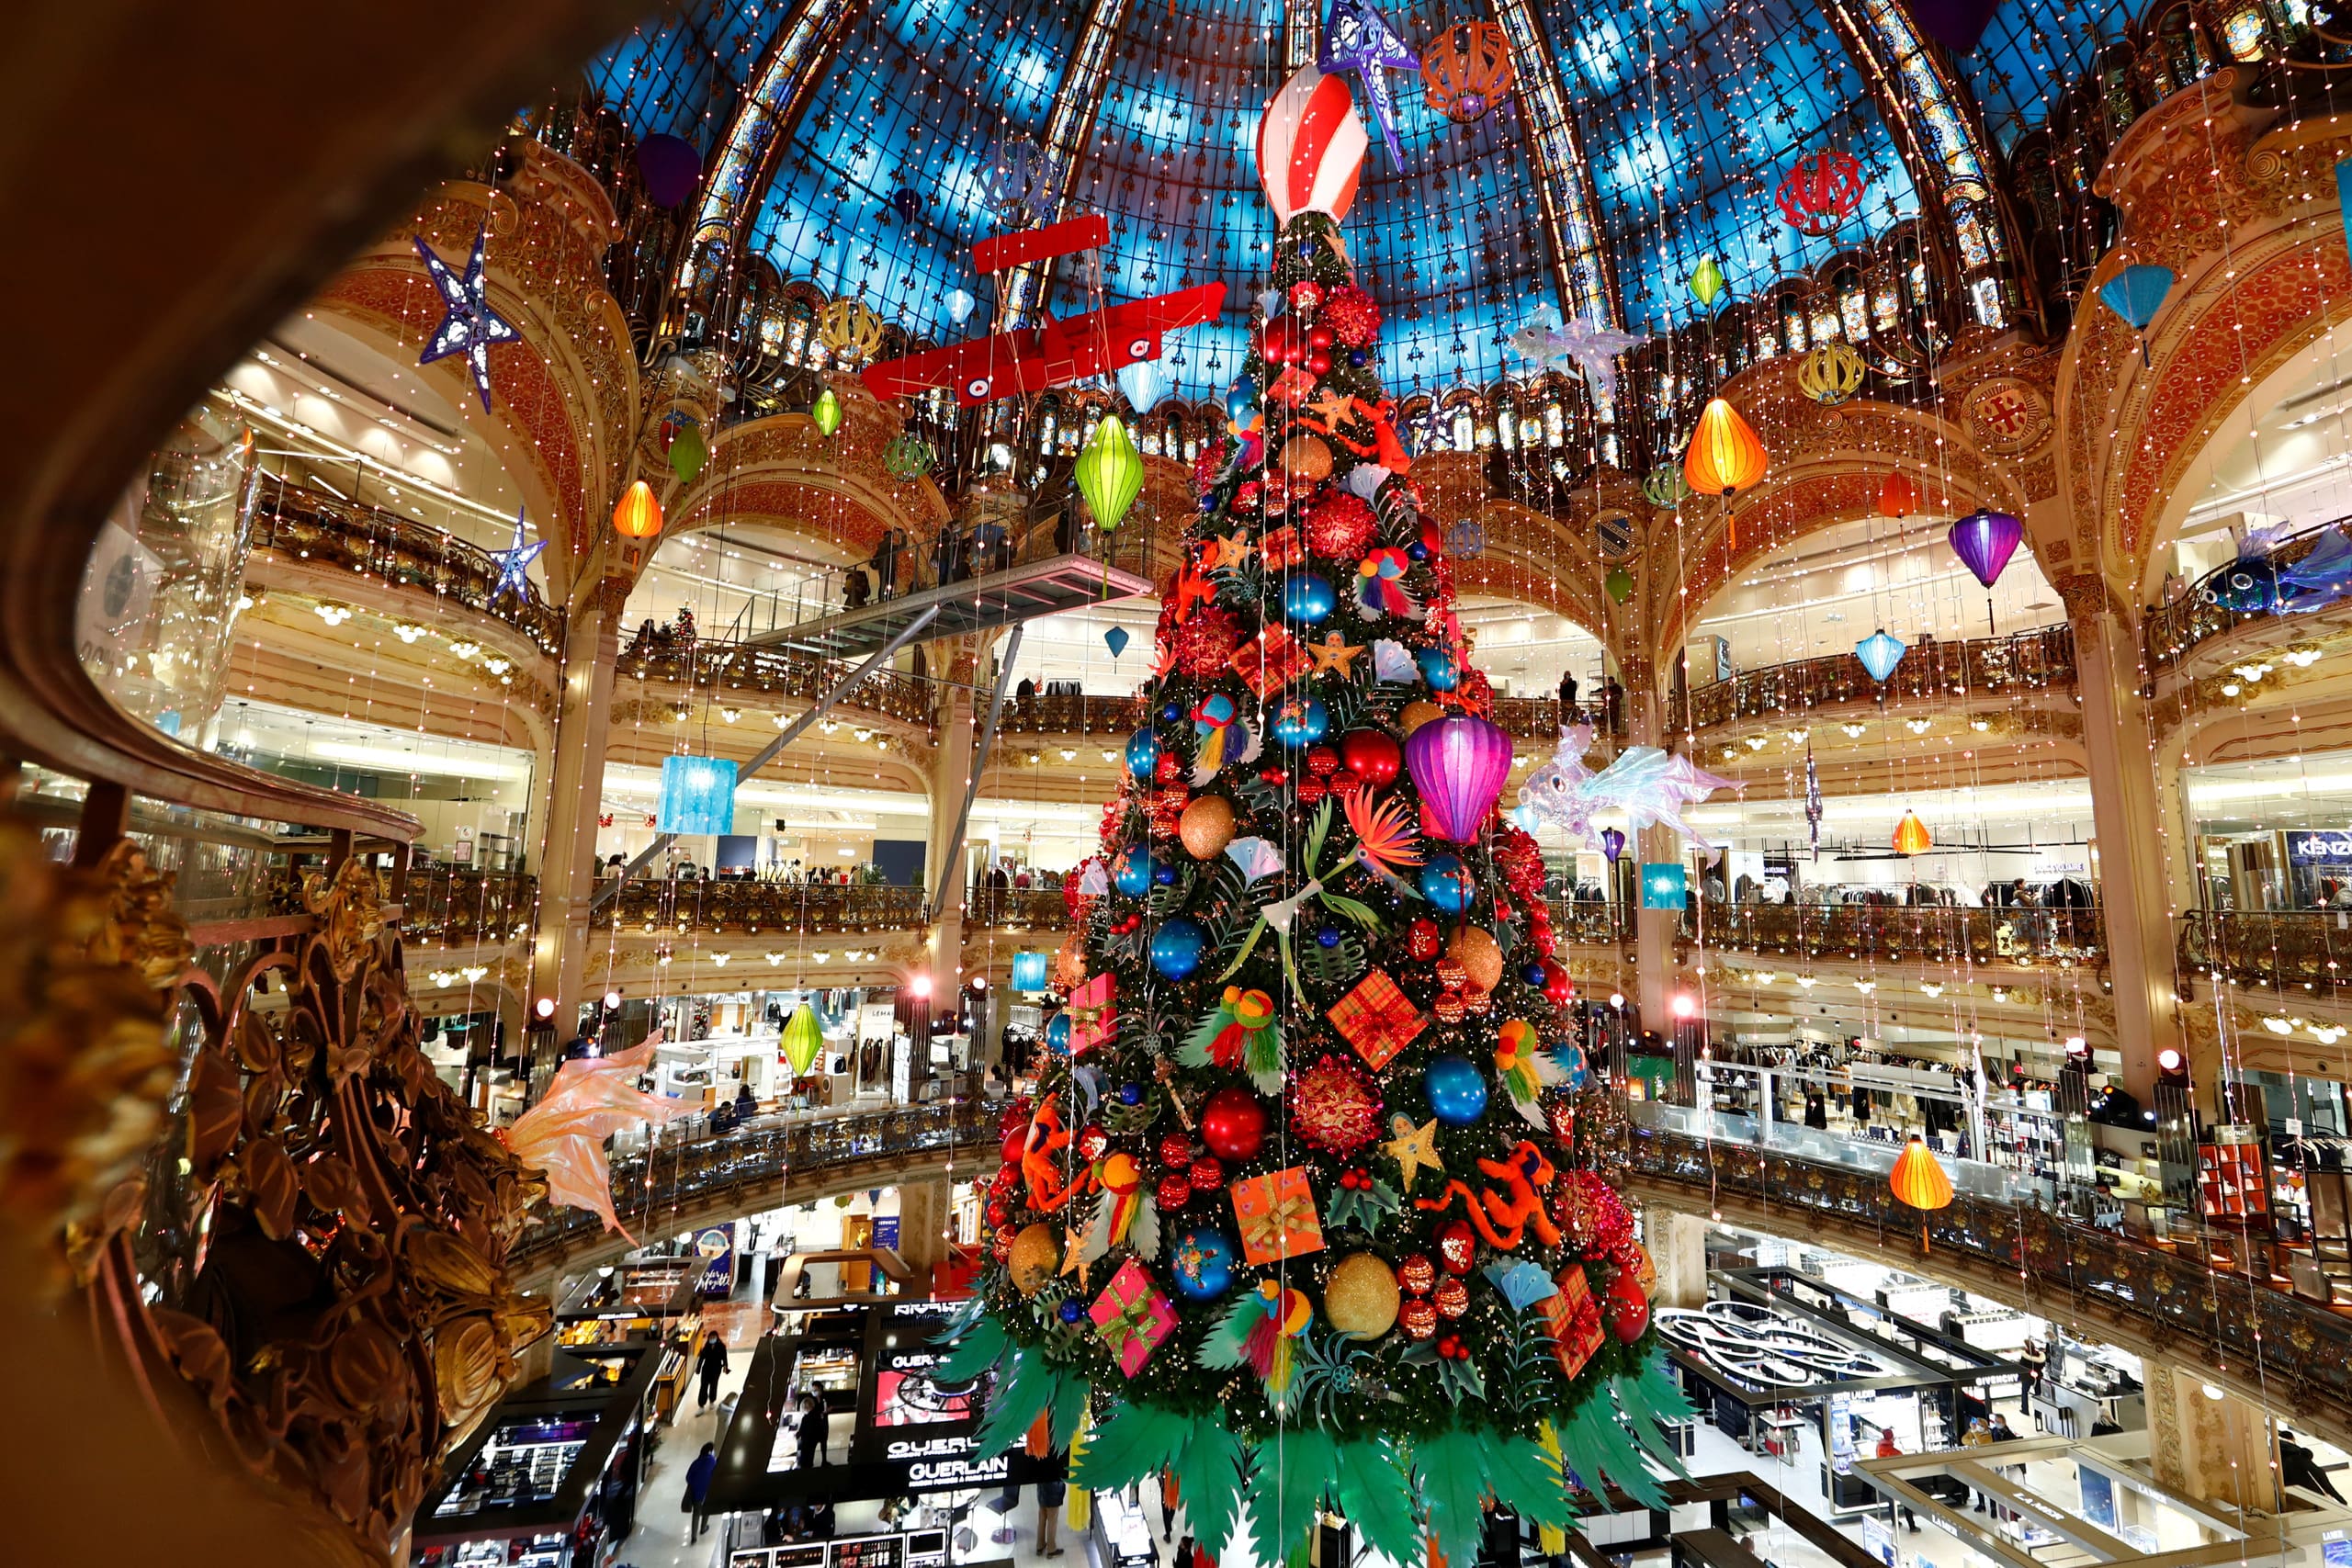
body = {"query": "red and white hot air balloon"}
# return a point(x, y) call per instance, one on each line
point(1310, 146)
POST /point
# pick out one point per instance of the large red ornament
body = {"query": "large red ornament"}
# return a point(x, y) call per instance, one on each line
point(1558, 988)
point(1338, 525)
point(1353, 316)
point(1457, 1247)
point(1280, 343)
point(1175, 1191)
point(1233, 1124)
point(1417, 1274)
point(1629, 1310)
point(1204, 644)
point(1335, 1106)
point(1372, 755)
point(1418, 1318)
point(1452, 1298)
point(1819, 193)
point(1422, 940)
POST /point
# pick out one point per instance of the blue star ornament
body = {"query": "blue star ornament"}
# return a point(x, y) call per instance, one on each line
point(1357, 38)
point(515, 560)
point(471, 326)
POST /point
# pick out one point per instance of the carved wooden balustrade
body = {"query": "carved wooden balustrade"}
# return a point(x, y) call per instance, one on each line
point(1935, 672)
point(1894, 933)
point(302, 523)
point(2213, 605)
point(2303, 951)
point(748, 668)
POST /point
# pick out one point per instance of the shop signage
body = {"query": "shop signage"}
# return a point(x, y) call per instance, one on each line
point(2319, 847)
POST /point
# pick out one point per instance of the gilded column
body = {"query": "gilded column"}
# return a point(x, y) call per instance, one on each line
point(1655, 930)
point(571, 792)
point(2208, 1447)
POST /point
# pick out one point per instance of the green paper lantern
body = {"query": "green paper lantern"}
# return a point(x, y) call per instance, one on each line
point(1666, 486)
point(827, 412)
point(1707, 282)
point(907, 456)
point(1110, 472)
point(804, 1037)
point(688, 453)
point(1620, 583)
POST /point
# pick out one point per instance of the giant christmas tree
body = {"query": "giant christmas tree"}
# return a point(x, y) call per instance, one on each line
point(1300, 1211)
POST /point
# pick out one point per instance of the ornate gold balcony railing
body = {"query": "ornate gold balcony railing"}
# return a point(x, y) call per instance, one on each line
point(2213, 606)
point(1092, 714)
point(748, 670)
point(2302, 952)
point(753, 908)
point(1937, 673)
point(1896, 933)
point(300, 523)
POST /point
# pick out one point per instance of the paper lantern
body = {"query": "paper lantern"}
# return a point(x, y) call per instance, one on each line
point(1310, 147)
point(1458, 764)
point(2136, 294)
point(803, 1039)
point(960, 306)
point(1725, 455)
point(1898, 497)
point(1110, 472)
point(1879, 653)
point(1612, 843)
point(1028, 970)
point(826, 412)
point(1819, 193)
point(670, 168)
point(1620, 583)
point(1831, 373)
point(1707, 282)
point(1911, 836)
point(637, 515)
point(1665, 884)
point(688, 453)
point(907, 456)
point(1983, 541)
point(848, 329)
point(698, 795)
point(1466, 71)
point(1144, 382)
point(1917, 1179)
point(1115, 639)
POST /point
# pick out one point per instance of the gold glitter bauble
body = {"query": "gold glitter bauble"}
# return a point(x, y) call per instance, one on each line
point(1362, 1298)
point(1206, 826)
point(1036, 1253)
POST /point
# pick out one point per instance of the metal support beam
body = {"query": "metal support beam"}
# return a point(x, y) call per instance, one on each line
point(1067, 131)
point(954, 850)
point(774, 748)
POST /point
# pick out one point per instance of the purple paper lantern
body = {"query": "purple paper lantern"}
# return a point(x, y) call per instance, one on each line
point(670, 168)
point(1458, 763)
point(1612, 843)
point(1983, 541)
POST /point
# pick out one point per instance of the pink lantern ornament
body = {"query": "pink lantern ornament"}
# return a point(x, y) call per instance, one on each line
point(1459, 763)
point(1310, 147)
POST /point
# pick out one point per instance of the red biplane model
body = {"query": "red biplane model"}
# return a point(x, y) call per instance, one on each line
point(1071, 349)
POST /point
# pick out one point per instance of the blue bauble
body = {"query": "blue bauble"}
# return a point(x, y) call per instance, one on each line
point(1143, 751)
point(1171, 712)
point(1131, 870)
point(1240, 399)
point(1445, 882)
point(1436, 666)
point(1202, 1264)
point(1533, 973)
point(1070, 1312)
point(1308, 598)
point(1210, 501)
point(1455, 1090)
point(1571, 1058)
point(1301, 721)
point(1358, 357)
point(1328, 936)
point(1163, 876)
point(1416, 552)
point(1131, 1094)
point(1176, 947)
point(1058, 1034)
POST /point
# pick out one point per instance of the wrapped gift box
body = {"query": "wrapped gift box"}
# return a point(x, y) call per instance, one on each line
point(1272, 657)
point(1276, 1216)
point(1574, 1318)
point(1376, 1019)
point(1281, 547)
point(1093, 1017)
point(1133, 1317)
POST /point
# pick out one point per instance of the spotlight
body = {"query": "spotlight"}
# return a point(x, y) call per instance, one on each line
point(1617, 1000)
point(1684, 1004)
point(921, 985)
point(612, 1001)
point(543, 1007)
point(2171, 1065)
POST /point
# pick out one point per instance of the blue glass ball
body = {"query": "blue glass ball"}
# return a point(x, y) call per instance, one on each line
point(1131, 1094)
point(1301, 721)
point(1058, 1034)
point(1328, 936)
point(1171, 712)
point(1445, 882)
point(1202, 1264)
point(1143, 751)
point(1240, 398)
point(1176, 947)
point(1308, 598)
point(1209, 502)
point(1455, 1090)
point(1164, 876)
point(1133, 870)
point(1358, 357)
point(1416, 552)
point(1532, 974)
point(1573, 1065)
point(1437, 668)
point(1070, 1312)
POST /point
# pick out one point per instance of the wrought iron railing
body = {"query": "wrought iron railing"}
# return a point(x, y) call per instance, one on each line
point(1897, 932)
point(455, 907)
point(751, 907)
point(302, 523)
point(1930, 671)
point(2213, 604)
point(2283, 950)
point(658, 653)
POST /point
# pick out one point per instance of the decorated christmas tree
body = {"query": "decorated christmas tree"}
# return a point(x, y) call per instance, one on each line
point(1303, 1211)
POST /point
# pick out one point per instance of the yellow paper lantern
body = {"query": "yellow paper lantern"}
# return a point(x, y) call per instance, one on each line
point(639, 514)
point(1919, 1180)
point(804, 1036)
point(1831, 373)
point(1911, 836)
point(1725, 455)
point(850, 330)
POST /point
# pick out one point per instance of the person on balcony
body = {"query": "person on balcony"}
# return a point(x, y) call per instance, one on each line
point(884, 562)
point(1568, 697)
point(853, 589)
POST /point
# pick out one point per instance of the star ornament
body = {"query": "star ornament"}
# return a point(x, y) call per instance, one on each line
point(514, 562)
point(1358, 39)
point(1335, 655)
point(1413, 1147)
point(470, 326)
point(1231, 550)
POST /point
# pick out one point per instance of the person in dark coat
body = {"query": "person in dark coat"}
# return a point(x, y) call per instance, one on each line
point(1568, 691)
point(699, 1475)
point(886, 563)
point(809, 1438)
point(709, 1362)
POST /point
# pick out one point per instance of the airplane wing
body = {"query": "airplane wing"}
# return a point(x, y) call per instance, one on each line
point(1060, 353)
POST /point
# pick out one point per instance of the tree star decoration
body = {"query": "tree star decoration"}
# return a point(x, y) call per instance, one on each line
point(1356, 37)
point(1590, 347)
point(471, 326)
point(1647, 784)
point(1413, 1147)
point(514, 562)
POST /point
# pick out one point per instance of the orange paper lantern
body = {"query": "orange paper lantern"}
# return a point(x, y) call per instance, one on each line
point(1919, 1180)
point(638, 515)
point(1898, 497)
point(1724, 453)
point(1466, 71)
point(1911, 836)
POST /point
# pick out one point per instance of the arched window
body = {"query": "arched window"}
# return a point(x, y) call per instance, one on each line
point(1853, 303)
point(1793, 331)
point(2245, 33)
point(1463, 427)
point(1506, 421)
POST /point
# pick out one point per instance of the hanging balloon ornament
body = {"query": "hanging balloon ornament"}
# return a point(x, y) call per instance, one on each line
point(826, 412)
point(1911, 836)
point(1310, 147)
point(905, 201)
point(1819, 193)
point(1831, 373)
point(1458, 764)
point(2136, 294)
point(1879, 654)
point(804, 1036)
point(1620, 583)
point(960, 306)
point(670, 168)
point(1144, 384)
point(1898, 498)
point(849, 330)
point(1985, 541)
point(1666, 486)
point(688, 452)
point(1466, 540)
point(1707, 283)
point(907, 455)
point(1467, 72)
point(1725, 457)
point(637, 514)
point(1110, 472)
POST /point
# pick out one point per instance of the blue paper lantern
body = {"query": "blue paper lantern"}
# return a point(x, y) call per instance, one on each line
point(1144, 382)
point(1028, 971)
point(1117, 640)
point(1455, 1090)
point(1143, 751)
point(1058, 1034)
point(1665, 884)
point(1176, 947)
point(698, 795)
point(1201, 1263)
point(1445, 882)
point(1308, 598)
point(1437, 668)
point(1131, 871)
point(960, 306)
point(1879, 653)
point(2136, 294)
point(1301, 721)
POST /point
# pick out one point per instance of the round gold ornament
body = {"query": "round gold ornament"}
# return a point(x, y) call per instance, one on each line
point(1362, 1298)
point(1306, 458)
point(1036, 1253)
point(1412, 715)
point(1206, 826)
point(1479, 954)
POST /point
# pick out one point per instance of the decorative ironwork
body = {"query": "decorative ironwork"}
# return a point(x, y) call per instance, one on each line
point(772, 672)
point(2298, 950)
point(1896, 932)
point(1930, 671)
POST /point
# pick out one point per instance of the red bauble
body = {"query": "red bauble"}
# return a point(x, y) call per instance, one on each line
point(1206, 1175)
point(998, 1211)
point(1629, 1310)
point(1317, 362)
point(1423, 941)
point(1416, 1317)
point(1280, 342)
point(1016, 1144)
point(1457, 1245)
point(1558, 989)
point(1002, 1244)
point(1318, 337)
point(1452, 1298)
point(1563, 1113)
point(1167, 768)
point(1092, 1141)
point(1335, 1106)
point(1450, 1008)
point(1210, 463)
point(1175, 1191)
point(1417, 1274)
point(1338, 525)
point(1353, 315)
point(1312, 791)
point(1322, 761)
point(1305, 294)
point(1176, 1152)
point(1233, 1124)
point(1372, 755)
point(1204, 644)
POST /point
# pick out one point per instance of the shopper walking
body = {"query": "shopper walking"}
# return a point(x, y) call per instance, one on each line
point(699, 1475)
point(813, 1431)
point(709, 1361)
point(1049, 1517)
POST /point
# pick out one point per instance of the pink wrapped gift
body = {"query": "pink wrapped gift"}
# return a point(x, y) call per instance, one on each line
point(1133, 1317)
point(1094, 1017)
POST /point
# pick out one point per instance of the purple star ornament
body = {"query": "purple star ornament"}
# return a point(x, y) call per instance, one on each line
point(1357, 38)
point(470, 326)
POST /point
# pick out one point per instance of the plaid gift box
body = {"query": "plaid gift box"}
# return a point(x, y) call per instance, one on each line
point(1574, 1319)
point(1281, 547)
point(1093, 1017)
point(1133, 1317)
point(1271, 658)
point(1276, 1214)
point(1376, 1019)
point(1294, 386)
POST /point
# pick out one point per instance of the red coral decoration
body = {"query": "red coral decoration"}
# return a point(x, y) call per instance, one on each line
point(1338, 525)
point(1210, 464)
point(1590, 1215)
point(1204, 644)
point(1335, 1106)
point(1521, 859)
point(1353, 316)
